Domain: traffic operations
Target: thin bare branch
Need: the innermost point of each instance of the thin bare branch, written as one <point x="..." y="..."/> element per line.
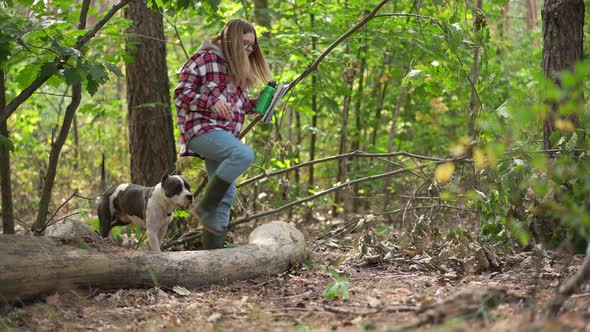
<point x="177" y="34"/>
<point x="49" y="221"/>
<point x="325" y="192"/>
<point x="436" y="206"/>
<point x="356" y="153"/>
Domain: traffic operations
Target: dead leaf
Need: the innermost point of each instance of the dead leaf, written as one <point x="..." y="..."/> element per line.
<point x="400" y="291"/>
<point x="182" y="291"/>
<point x="373" y="302"/>
<point x="174" y="320"/>
<point x="160" y="294"/>
<point x="214" y="317"/>
<point x="52" y="299"/>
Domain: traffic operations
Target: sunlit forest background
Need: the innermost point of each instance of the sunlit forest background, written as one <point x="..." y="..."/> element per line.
<point x="437" y="106"/>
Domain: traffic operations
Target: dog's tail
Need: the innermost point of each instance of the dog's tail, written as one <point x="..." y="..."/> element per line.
<point x="104" y="215"/>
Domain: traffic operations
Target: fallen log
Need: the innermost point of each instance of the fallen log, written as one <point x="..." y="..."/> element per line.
<point x="35" y="266"/>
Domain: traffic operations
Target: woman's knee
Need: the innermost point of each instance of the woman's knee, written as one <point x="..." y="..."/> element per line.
<point x="245" y="154"/>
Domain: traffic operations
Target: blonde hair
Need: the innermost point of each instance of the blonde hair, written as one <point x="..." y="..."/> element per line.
<point x="245" y="70"/>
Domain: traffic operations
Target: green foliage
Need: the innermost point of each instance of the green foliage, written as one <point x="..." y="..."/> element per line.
<point x="383" y="228"/>
<point x="181" y="213"/>
<point x="538" y="190"/>
<point x="84" y="245"/>
<point x="6" y="142"/>
<point x="338" y="287"/>
<point x="12" y="318"/>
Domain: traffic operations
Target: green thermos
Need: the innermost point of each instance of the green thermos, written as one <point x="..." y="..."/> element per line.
<point x="266" y="97"/>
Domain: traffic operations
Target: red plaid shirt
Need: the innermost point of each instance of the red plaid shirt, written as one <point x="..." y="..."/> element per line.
<point x="203" y="82"/>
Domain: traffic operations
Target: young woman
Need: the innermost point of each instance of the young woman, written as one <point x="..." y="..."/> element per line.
<point x="211" y="101"/>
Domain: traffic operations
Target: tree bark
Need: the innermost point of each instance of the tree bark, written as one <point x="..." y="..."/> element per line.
<point x="5" y="178"/>
<point x="398" y="106"/>
<point x="473" y="105"/>
<point x="31" y="268"/>
<point x="381" y="90"/>
<point x="531" y="17"/>
<point x="262" y="15"/>
<point x="314" y="122"/>
<point x="151" y="136"/>
<point x="342" y="174"/>
<point x="41" y="221"/>
<point x="563" y="35"/>
<point x="360" y="124"/>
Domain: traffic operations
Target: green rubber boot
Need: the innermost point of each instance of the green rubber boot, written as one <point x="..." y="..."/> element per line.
<point x="216" y="189"/>
<point x="212" y="241"/>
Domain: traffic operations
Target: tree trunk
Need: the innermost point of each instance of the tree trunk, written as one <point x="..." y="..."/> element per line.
<point x="5" y="178"/>
<point x="348" y="77"/>
<point x="262" y="15"/>
<point x="359" y="134"/>
<point x="342" y="173"/>
<point x="151" y="137"/>
<point x="531" y="17"/>
<point x="41" y="221"/>
<point x="381" y="90"/>
<point x="563" y="35"/>
<point x="473" y="105"/>
<point x="314" y="122"/>
<point x="389" y="167"/>
<point x="398" y="106"/>
<point x="31" y="268"/>
<point x="299" y="140"/>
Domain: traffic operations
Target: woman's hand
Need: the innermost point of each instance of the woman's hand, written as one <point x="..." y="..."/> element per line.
<point x="223" y="109"/>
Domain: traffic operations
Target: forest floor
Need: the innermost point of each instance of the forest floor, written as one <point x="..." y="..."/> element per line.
<point x="418" y="279"/>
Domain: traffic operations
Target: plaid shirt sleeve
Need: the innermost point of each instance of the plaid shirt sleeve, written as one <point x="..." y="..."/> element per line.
<point x="200" y="83"/>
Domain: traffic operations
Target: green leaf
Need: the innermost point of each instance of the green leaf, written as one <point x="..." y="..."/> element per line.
<point x="331" y="290"/>
<point x="5" y="141"/>
<point x="48" y="69"/>
<point x="336" y="287"/>
<point x="84" y="245"/>
<point x="72" y="75"/>
<point x="91" y="85"/>
<point x="518" y="231"/>
<point x="113" y="69"/>
<point x="4" y="50"/>
<point x="572" y="142"/>
<point x="27" y="75"/>
<point x="213" y="4"/>
<point x="415" y="77"/>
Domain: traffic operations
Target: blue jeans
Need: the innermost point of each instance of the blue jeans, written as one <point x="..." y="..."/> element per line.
<point x="227" y="157"/>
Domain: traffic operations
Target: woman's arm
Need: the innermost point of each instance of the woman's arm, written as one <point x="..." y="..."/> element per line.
<point x="250" y="106"/>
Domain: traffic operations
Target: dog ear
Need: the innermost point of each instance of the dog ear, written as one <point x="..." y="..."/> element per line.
<point x="164" y="178"/>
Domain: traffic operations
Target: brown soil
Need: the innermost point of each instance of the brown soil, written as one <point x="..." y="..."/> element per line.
<point x="402" y="288"/>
